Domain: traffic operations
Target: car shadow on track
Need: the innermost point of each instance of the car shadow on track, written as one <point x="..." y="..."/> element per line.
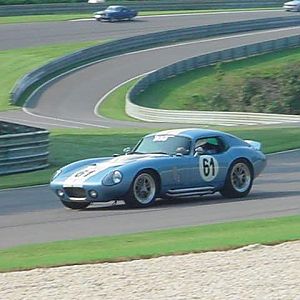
<point x="195" y="201"/>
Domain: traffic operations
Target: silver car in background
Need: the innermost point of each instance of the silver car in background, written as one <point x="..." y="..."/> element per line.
<point x="292" y="5"/>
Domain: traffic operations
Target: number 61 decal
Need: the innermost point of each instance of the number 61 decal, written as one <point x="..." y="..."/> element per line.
<point x="209" y="167"/>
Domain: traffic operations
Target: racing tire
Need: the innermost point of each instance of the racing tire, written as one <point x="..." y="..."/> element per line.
<point x="239" y="180"/>
<point x="143" y="190"/>
<point x="75" y="205"/>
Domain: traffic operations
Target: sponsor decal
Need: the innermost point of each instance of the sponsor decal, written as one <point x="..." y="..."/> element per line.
<point x="161" y="138"/>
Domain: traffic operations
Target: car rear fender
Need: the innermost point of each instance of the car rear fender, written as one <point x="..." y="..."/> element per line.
<point x="254" y="144"/>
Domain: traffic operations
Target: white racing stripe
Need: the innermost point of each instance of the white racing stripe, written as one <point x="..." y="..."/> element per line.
<point x="78" y="178"/>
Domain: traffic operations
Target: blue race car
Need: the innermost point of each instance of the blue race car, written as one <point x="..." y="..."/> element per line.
<point x="167" y="164"/>
<point x="115" y="13"/>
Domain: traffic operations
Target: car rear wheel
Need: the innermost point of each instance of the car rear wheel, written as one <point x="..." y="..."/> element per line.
<point x="75" y="205"/>
<point x="239" y="180"/>
<point x="143" y="190"/>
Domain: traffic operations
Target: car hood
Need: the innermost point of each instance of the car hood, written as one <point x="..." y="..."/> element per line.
<point x="84" y="172"/>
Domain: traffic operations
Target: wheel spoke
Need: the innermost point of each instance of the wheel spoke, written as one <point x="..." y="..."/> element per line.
<point x="144" y="188"/>
<point x="241" y="177"/>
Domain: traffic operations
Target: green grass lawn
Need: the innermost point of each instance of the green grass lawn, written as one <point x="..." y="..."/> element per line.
<point x="113" y="105"/>
<point x="17" y="62"/>
<point x="151" y="244"/>
<point x="68" y="145"/>
<point x="181" y="91"/>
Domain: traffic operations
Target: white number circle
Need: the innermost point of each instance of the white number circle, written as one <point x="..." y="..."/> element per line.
<point x="209" y="167"/>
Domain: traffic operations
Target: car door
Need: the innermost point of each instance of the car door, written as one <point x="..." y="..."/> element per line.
<point x="124" y="14"/>
<point x="208" y="168"/>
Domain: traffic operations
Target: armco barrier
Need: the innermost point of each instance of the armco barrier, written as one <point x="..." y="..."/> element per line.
<point x="141" y="42"/>
<point x="22" y="148"/>
<point x="207" y="117"/>
<point x="66" y="8"/>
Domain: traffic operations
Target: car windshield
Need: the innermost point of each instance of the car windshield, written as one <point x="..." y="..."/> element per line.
<point x="114" y="8"/>
<point x="166" y="144"/>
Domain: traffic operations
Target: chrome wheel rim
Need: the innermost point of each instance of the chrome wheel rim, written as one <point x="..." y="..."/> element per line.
<point x="144" y="188"/>
<point x="241" y="177"/>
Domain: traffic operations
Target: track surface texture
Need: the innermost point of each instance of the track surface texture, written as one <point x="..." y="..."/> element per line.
<point x="35" y="215"/>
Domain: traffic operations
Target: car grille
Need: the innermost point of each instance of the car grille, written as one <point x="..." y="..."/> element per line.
<point x="74" y="192"/>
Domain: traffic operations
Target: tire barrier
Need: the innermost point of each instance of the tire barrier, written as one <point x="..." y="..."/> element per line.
<point x="68" y="8"/>
<point x="35" y="78"/>
<point x="208" y="117"/>
<point x="22" y="148"/>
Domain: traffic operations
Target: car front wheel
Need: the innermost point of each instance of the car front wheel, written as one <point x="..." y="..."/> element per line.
<point x="143" y="190"/>
<point x="239" y="180"/>
<point x="75" y="205"/>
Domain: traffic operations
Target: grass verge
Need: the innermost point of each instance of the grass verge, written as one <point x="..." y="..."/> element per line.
<point x="191" y="90"/>
<point x="17" y="62"/>
<point x="151" y="244"/>
<point x="68" y="17"/>
<point x="113" y="105"/>
<point x="68" y="145"/>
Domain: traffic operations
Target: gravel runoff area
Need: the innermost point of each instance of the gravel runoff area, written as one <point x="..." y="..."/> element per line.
<point x="253" y="272"/>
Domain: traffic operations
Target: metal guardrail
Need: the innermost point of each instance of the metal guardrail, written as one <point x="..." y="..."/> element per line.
<point x="208" y="117"/>
<point x="22" y="148"/>
<point x="42" y="74"/>
<point x="66" y="8"/>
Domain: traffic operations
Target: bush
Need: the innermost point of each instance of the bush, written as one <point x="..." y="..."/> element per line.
<point x="279" y="93"/>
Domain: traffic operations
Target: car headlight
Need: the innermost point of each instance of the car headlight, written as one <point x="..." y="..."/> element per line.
<point x="117" y="177"/>
<point x="112" y="178"/>
<point x="56" y="174"/>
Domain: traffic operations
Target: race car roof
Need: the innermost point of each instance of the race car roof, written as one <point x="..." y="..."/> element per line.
<point x="189" y="132"/>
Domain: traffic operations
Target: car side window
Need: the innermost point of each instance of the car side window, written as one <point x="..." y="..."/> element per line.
<point x="210" y="145"/>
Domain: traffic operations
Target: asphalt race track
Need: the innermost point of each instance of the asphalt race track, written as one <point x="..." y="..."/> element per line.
<point x="35" y="215"/>
<point x="42" y="33"/>
<point x="81" y="90"/>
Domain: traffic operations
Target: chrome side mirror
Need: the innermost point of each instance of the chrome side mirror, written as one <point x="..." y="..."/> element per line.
<point x="126" y="150"/>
